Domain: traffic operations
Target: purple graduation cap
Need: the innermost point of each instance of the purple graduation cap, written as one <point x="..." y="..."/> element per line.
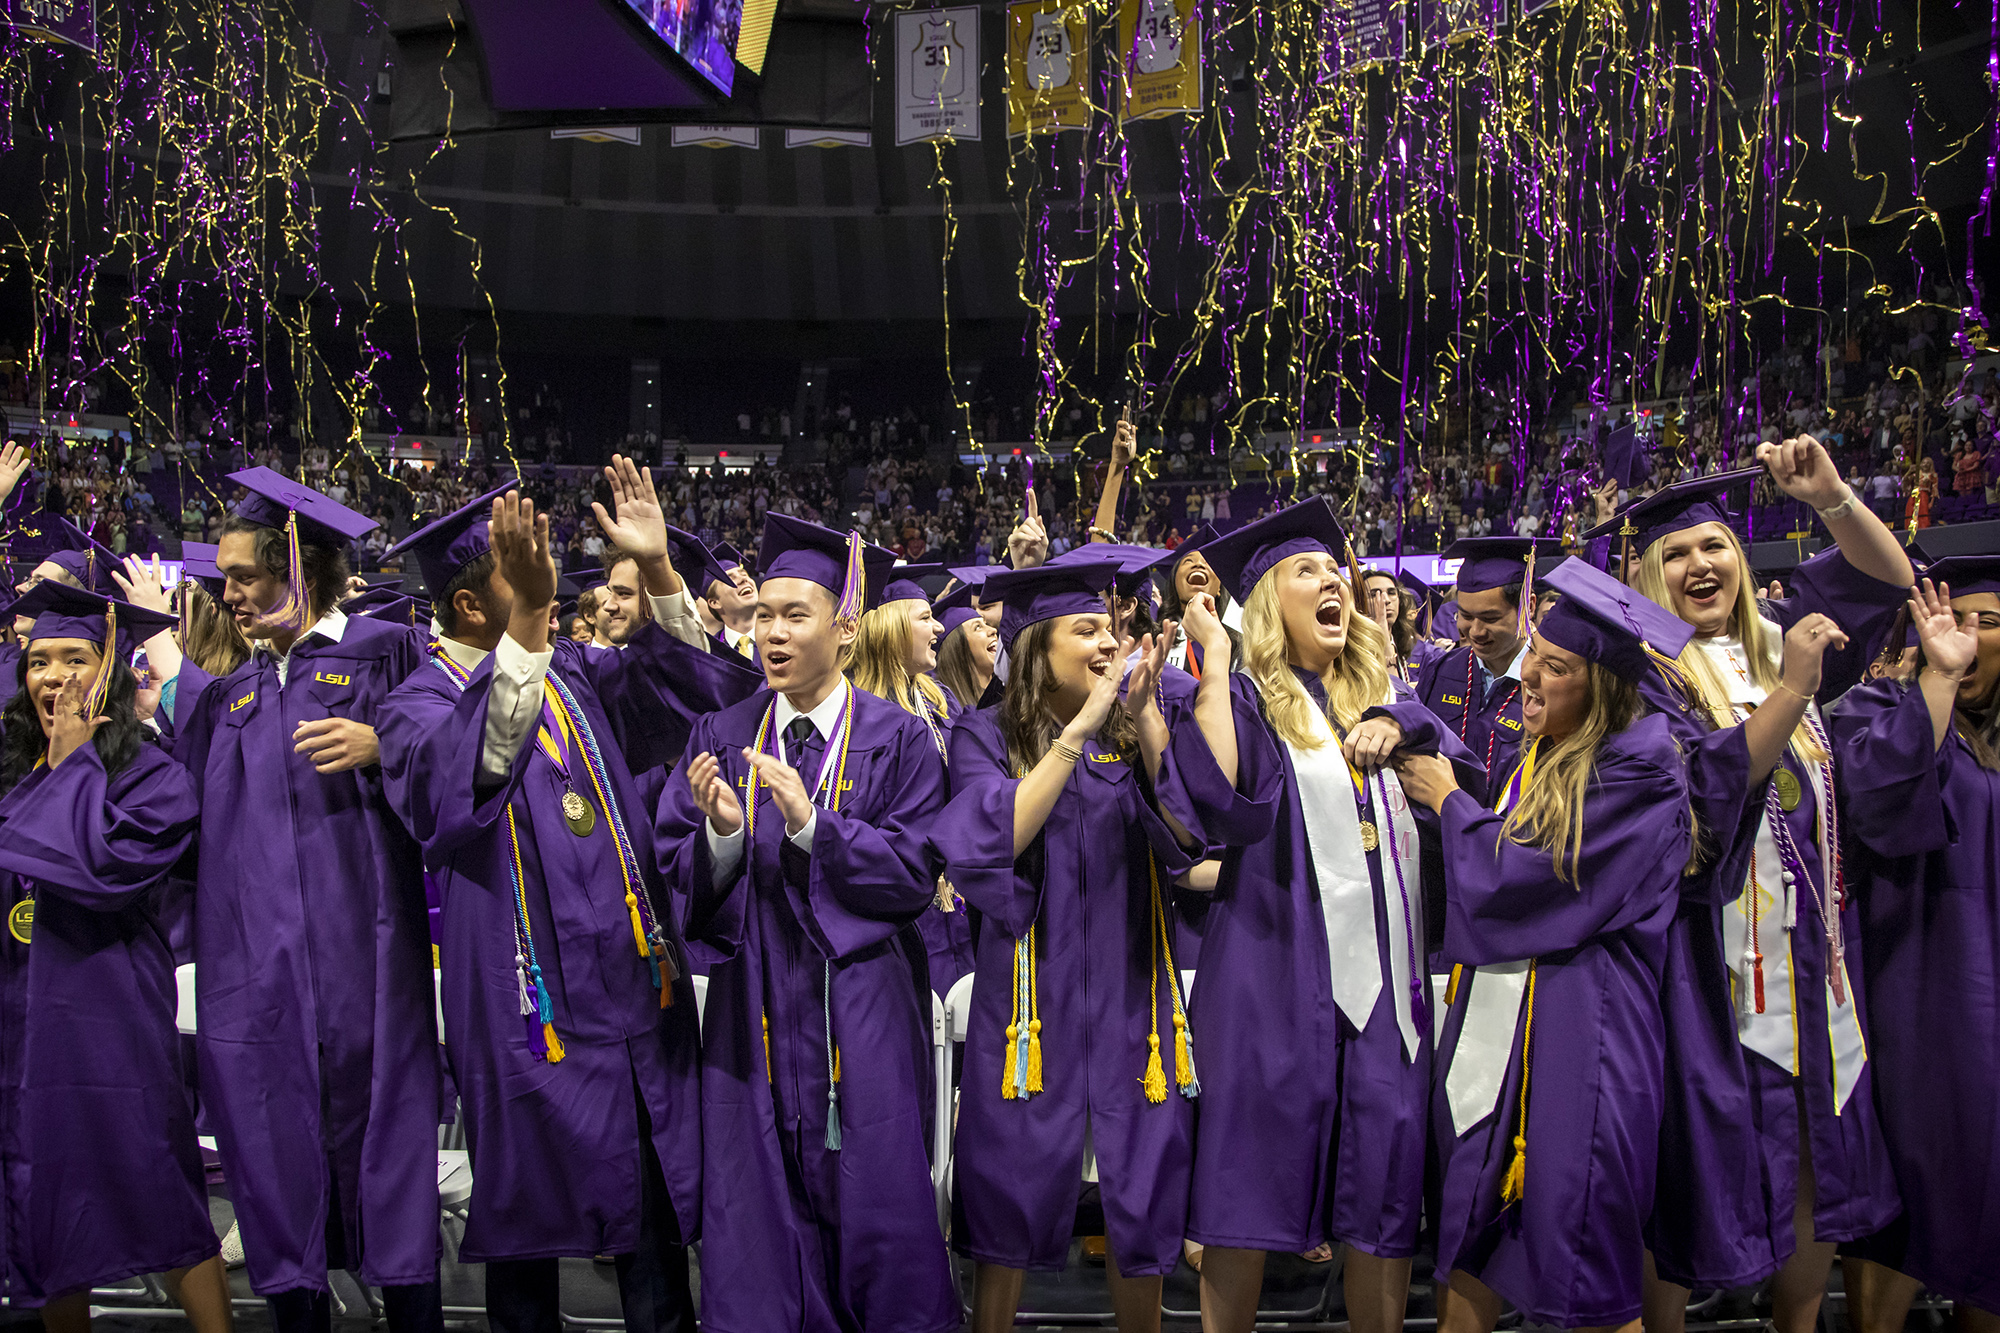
<point x="1967" y="574"/>
<point x="198" y="563"/>
<point x="729" y="558"/>
<point x="854" y="571"/>
<point x="954" y="609"/>
<point x="85" y="559"/>
<point x="974" y="576"/>
<point x="695" y="562"/>
<point x="304" y="515"/>
<point x="1487" y="563"/>
<point x="1249" y="553"/>
<point x="117" y="628"/>
<point x="443" y="549"/>
<point x="1135" y="563"/>
<point x="1671" y="509"/>
<point x="1028" y="596"/>
<point x="1601" y="619"/>
<point x="904" y="582"/>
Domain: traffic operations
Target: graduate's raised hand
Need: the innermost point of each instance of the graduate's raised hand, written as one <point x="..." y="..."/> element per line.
<point x="1605" y="500"/>
<point x="1950" y="644"/>
<point x="1028" y="543"/>
<point x="1124" y="444"/>
<point x="1097" y="705"/>
<point x="73" y="726"/>
<point x="640" y="529"/>
<point x="337" y="744"/>
<point x="13" y="463"/>
<point x="713" y="795"/>
<point x="144" y="583"/>
<point x="1205" y="626"/>
<point x="1145" y="673"/>
<point x="1372" y="741"/>
<point x="1426" y="779"/>
<point x="1804" y="471"/>
<point x="1805" y="646"/>
<point x="788" y="789"/>
<point x="520" y="540"/>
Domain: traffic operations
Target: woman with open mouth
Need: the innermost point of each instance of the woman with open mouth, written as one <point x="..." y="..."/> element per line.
<point x="1313" y="999"/>
<point x="1558" y="896"/>
<point x="1079" y="1057"/>
<point x="93" y="1125"/>
<point x="1921" y="767"/>
<point x="1770" y="1106"/>
<point x="1186" y="576"/>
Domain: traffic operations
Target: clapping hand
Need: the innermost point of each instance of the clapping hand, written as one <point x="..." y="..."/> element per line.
<point x="713" y="795"/>
<point x="788" y="788"/>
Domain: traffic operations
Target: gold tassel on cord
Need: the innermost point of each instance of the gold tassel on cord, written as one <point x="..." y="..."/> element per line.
<point x="1034" y="1019"/>
<point x="1515" y="1182"/>
<point x="554" y="1043"/>
<point x="767" y="1046"/>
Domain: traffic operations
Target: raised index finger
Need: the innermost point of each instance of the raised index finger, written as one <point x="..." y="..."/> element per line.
<point x="1034" y="510"/>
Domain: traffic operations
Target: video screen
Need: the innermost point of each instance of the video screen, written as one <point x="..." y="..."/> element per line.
<point x="703" y="31"/>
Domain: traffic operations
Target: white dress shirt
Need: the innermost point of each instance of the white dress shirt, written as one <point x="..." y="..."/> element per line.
<point x="330" y="627"/>
<point x="726" y="853"/>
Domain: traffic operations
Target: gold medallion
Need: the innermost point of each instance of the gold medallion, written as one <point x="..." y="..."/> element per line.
<point x="21" y="920"/>
<point x="578" y="814"/>
<point x="1788" y="788"/>
<point x="1370" y="840"/>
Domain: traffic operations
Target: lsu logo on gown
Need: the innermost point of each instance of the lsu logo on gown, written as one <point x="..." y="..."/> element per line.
<point x="1454" y="700"/>
<point x="244" y="702"/>
<point x="328" y="678"/>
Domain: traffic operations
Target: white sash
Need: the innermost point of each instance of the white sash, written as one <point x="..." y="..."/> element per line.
<point x="1774" y="1033"/>
<point x="1346" y="892"/>
<point x="1492" y="994"/>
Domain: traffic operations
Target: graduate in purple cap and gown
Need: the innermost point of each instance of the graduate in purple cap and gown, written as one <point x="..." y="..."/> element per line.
<point x="1475" y="689"/>
<point x="728" y="603"/>
<point x="1313" y="1001"/>
<point x="569" y="1017"/>
<point x="100" y="1176"/>
<point x="1182" y="576"/>
<point x="1079" y="1055"/>
<point x="795" y="830"/>
<point x="895" y="656"/>
<point x="1557" y="899"/>
<point x="1770" y="1152"/>
<point x="318" y="1048"/>
<point x="1920" y="763"/>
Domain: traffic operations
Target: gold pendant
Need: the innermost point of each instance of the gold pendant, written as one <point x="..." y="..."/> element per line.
<point x="947" y="896"/>
<point x="1370" y="840"/>
<point x="1788" y="788"/>
<point x="577" y="812"/>
<point x="21" y="920"/>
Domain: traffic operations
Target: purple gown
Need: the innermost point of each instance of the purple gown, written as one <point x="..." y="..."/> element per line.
<point x="1086" y="888"/>
<point x="1926" y="825"/>
<point x="1308" y="1130"/>
<point x="946" y="936"/>
<point x="317" y="1043"/>
<point x="1729" y="1150"/>
<point x="1570" y="1252"/>
<point x="100" y="1177"/>
<point x="555" y="1146"/>
<point x="1490" y="725"/>
<point x="797" y="1236"/>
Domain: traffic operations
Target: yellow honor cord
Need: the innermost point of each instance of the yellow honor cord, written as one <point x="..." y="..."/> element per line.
<point x="768" y="1075"/>
<point x="1515" y="1182"/>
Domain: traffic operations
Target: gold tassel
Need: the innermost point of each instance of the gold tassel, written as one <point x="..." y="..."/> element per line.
<point x="638" y="927"/>
<point x="1034" y="1055"/>
<point x="1515" y="1182"/>
<point x="554" y="1043"/>
<point x="767" y="1046"/>
<point x="836" y="1064"/>
<point x="1517" y="1173"/>
<point x="1007" y="1088"/>
<point x="1183" y="1062"/>
<point x="1156" y="1077"/>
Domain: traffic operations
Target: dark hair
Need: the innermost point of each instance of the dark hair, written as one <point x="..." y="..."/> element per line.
<point x="117" y="741"/>
<point x="1979" y="725"/>
<point x="472" y="578"/>
<point x="954" y="668"/>
<point x="1025" y="721"/>
<point x="325" y="567"/>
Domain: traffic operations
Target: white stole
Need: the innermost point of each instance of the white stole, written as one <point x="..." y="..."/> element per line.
<point x="1774" y="1033"/>
<point x="1492" y="994"/>
<point x="1346" y="892"/>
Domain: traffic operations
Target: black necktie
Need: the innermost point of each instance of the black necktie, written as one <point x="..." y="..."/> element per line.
<point x="802" y="748"/>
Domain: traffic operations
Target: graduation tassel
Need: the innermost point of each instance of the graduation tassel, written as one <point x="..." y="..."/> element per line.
<point x="291" y="613"/>
<point x="1034" y="1084"/>
<point x="639" y="929"/>
<point x="854" y="587"/>
<point x="1184" y="1075"/>
<point x="767" y="1045"/>
<point x="832" y="1065"/>
<point x="1516" y="1180"/>
<point x="1155" y="1078"/>
<point x="554" y="1043"/>
<point x="521" y="983"/>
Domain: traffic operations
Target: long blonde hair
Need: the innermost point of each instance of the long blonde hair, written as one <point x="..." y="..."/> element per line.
<point x="880" y="664"/>
<point x="1360" y="674"/>
<point x="1549" y="812"/>
<point x="1698" y="669"/>
<point x="211" y="640"/>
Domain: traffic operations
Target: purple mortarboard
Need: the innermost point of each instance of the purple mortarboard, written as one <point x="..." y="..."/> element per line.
<point x="1967" y="574"/>
<point x="954" y="609"/>
<point x="443" y="549"/>
<point x="372" y="601"/>
<point x="1487" y="563"/>
<point x="730" y="558"/>
<point x="854" y="571"/>
<point x="1622" y="456"/>
<point x="394" y="609"/>
<point x="87" y="560"/>
<point x="974" y="576"/>
<point x="275" y="498"/>
<point x="62" y="612"/>
<point x="904" y="582"/>
<point x="1671" y="509"/>
<point x="1249" y="553"/>
<point x="1135" y="563"/>
<point x="694" y="561"/>
<point x="1028" y="596"/>
<point x="1447" y="614"/>
<point x="1601" y="619"/>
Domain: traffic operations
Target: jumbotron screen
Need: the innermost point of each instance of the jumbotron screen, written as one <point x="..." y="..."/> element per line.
<point x="703" y="31"/>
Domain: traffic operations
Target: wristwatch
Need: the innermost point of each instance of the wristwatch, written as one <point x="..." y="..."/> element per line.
<point x="1841" y="510"/>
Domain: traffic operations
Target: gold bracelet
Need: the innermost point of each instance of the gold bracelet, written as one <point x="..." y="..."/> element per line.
<point x="1789" y="690"/>
<point x="1096" y="531"/>
<point x="1070" y="753"/>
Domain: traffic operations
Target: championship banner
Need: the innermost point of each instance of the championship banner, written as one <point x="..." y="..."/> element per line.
<point x="937" y="74"/>
<point x="1048" y="67"/>
<point x="1366" y="33"/>
<point x="817" y="138"/>
<point x="1161" y="40"/>
<point x="714" y="136"/>
<point x="71" y="22"/>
